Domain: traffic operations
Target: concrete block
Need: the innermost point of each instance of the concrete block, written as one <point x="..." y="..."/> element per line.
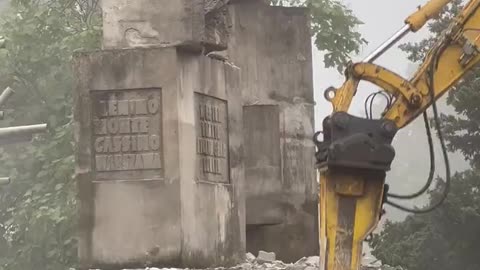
<point x="250" y="257"/>
<point x="158" y="160"/>
<point x="264" y="257"/>
<point x="163" y="23"/>
<point x="272" y="47"/>
<point x="295" y="267"/>
<point x="311" y="261"/>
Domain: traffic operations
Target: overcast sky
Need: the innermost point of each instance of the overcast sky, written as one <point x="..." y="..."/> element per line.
<point x="382" y="18"/>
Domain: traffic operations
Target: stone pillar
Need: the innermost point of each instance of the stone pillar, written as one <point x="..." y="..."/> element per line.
<point x="158" y="131"/>
<point x="272" y="47"/>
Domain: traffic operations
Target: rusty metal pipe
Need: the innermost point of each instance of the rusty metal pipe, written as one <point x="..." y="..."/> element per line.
<point x="7" y="93"/>
<point x="22" y="130"/>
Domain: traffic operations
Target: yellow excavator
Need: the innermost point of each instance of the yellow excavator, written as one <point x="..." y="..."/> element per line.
<point x="356" y="153"/>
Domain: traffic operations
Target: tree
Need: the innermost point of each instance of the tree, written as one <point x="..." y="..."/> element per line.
<point x="333" y="29"/>
<point x="446" y="238"/>
<point x="38" y="209"/>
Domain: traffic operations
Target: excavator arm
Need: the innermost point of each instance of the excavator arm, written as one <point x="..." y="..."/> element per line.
<point x="356" y="153"/>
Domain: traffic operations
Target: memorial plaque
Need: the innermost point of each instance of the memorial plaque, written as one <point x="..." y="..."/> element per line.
<point x="127" y="134"/>
<point x="212" y="139"/>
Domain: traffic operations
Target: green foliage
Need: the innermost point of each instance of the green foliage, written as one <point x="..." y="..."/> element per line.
<point x="37" y="210"/>
<point x="447" y="238"/>
<point x="461" y="130"/>
<point x="333" y="28"/>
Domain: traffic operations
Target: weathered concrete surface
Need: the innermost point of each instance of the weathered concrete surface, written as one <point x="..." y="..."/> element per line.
<point x="263" y="165"/>
<point x="215" y="204"/>
<point x="188" y="23"/>
<point x="156" y="132"/>
<point x="217" y="28"/>
<point x="272" y="47"/>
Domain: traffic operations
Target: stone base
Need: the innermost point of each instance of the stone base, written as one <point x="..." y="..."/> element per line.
<point x="158" y="160"/>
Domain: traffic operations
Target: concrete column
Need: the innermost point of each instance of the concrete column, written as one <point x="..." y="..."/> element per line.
<point x="158" y="160"/>
<point x="272" y="47"/>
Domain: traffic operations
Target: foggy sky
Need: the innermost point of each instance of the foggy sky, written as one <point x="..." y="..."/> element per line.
<point x="381" y="19"/>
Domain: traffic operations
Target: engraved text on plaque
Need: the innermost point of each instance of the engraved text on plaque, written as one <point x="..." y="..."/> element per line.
<point x="127" y="130"/>
<point x="212" y="139"/>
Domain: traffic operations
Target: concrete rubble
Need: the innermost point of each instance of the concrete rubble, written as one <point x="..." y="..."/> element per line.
<point x="266" y="261"/>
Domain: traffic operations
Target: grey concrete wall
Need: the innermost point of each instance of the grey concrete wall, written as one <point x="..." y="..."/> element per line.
<point x="158" y="160"/>
<point x="191" y="24"/>
<point x="213" y="204"/>
<point x="263" y="165"/>
<point x="272" y="46"/>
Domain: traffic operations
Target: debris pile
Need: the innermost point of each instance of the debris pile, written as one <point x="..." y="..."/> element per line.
<point x="382" y="267"/>
<point x="267" y="261"/>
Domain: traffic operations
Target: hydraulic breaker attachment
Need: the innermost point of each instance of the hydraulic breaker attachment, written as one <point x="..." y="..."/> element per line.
<point x="352" y="161"/>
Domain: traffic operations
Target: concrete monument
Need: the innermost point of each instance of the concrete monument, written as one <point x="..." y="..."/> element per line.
<point x="159" y="159"/>
<point x="163" y="133"/>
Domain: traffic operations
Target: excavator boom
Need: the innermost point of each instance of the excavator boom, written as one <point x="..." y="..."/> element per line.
<point x="356" y="153"/>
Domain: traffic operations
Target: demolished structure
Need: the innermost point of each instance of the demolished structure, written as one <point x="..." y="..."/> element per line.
<point x="193" y="127"/>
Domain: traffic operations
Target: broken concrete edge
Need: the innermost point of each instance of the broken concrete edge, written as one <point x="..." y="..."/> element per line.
<point x="185" y="23"/>
<point x="209" y="31"/>
<point x="194" y="48"/>
<point x="186" y="47"/>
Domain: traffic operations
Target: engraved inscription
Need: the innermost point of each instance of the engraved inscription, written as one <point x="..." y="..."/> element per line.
<point x="212" y="139"/>
<point x="126" y="131"/>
